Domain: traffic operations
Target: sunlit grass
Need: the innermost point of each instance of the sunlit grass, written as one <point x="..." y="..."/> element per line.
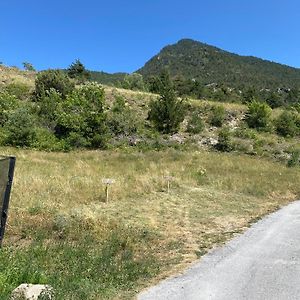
<point x="58" y="202"/>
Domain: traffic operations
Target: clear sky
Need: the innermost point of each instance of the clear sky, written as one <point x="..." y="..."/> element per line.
<point x="117" y="35"/>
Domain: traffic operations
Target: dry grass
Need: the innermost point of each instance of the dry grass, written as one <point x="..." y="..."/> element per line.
<point x="10" y="75"/>
<point x="212" y="197"/>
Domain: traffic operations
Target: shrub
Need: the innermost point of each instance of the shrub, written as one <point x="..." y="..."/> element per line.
<point x="258" y="115"/>
<point x="46" y="140"/>
<point x="20" y="128"/>
<point x="224" y="140"/>
<point x="53" y="79"/>
<point x="294" y="160"/>
<point x="217" y="116"/>
<point x="195" y="124"/>
<point x="82" y="115"/>
<point x="286" y="124"/>
<point x="48" y="109"/>
<point x="20" y="90"/>
<point x="134" y="81"/>
<point x="122" y="120"/>
<point x="8" y="103"/>
<point x="167" y="112"/>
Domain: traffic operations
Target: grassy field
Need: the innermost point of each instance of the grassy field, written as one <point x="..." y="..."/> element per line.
<point x="61" y="231"/>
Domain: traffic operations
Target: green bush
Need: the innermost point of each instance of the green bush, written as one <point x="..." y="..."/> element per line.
<point x="134" y="81"/>
<point x="217" y="116"/>
<point x="286" y="124"/>
<point x="53" y="79"/>
<point x="20" y="128"/>
<point x="82" y="115"/>
<point x="224" y="140"/>
<point x="46" y="140"/>
<point x="8" y="103"/>
<point x="122" y="120"/>
<point x="258" y="115"/>
<point x="195" y="124"/>
<point x="47" y="109"/>
<point x="20" y="90"/>
<point x="294" y="160"/>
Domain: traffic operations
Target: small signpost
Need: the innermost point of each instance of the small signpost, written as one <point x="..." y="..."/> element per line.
<point x="7" y="167"/>
<point x="169" y="179"/>
<point x="107" y="182"/>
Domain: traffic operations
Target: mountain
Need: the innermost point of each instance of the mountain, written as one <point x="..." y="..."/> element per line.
<point x="189" y="59"/>
<point x="107" y="78"/>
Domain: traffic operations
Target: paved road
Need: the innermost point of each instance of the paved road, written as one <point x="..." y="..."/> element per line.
<point x="262" y="264"/>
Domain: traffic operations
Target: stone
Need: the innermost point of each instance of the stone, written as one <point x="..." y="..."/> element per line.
<point x="32" y="292"/>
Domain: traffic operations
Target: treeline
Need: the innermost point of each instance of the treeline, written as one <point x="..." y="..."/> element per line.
<point x="280" y="97"/>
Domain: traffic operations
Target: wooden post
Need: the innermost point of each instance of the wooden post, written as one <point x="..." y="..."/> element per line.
<point x="168" y="179"/>
<point x="107" y="182"/>
<point x="106" y="193"/>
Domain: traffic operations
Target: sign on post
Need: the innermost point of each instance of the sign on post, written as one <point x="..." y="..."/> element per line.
<point x="107" y="182"/>
<point x="7" y="167"/>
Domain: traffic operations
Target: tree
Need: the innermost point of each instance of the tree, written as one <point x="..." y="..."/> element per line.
<point x="81" y="118"/>
<point x="52" y="79"/>
<point x="78" y="71"/>
<point x="274" y="100"/>
<point x="224" y="140"/>
<point x="28" y="66"/>
<point x="258" y="115"/>
<point x="167" y="112"/>
<point x="134" y="81"/>
<point x="286" y="123"/>
<point x="217" y="116"/>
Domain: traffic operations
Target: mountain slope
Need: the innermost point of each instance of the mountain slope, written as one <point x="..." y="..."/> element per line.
<point x="107" y="78"/>
<point x="191" y="59"/>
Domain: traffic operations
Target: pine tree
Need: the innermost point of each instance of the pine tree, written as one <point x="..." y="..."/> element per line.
<point x="167" y="112"/>
<point x="78" y="71"/>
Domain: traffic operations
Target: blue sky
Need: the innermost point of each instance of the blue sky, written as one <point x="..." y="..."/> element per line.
<point x="120" y="35"/>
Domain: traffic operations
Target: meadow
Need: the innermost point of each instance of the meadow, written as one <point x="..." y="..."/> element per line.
<point x="62" y="232"/>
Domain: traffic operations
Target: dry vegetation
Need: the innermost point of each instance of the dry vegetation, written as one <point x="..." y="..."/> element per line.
<point x="59" y="222"/>
<point x="212" y="197"/>
<point x="9" y="75"/>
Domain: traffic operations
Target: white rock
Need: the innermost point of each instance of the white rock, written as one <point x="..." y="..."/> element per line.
<point x="32" y="292"/>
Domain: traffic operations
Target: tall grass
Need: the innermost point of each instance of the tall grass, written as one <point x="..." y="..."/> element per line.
<point x="62" y="232"/>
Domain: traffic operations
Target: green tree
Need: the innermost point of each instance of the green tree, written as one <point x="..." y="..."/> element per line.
<point x="224" y="140"/>
<point x="52" y="79"/>
<point x="274" y="100"/>
<point x="258" y="115"/>
<point x="28" y="66"/>
<point x="286" y="123"/>
<point x="134" y="81"/>
<point x="20" y="128"/>
<point x="195" y="124"/>
<point x="122" y="120"/>
<point x="78" y="71"/>
<point x="167" y="112"/>
<point x="217" y="116"/>
<point x="81" y="118"/>
<point x="8" y="103"/>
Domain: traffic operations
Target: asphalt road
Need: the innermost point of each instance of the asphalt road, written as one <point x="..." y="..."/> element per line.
<point x="261" y="264"/>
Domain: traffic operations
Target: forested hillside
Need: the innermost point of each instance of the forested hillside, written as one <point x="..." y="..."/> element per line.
<point x="190" y="59"/>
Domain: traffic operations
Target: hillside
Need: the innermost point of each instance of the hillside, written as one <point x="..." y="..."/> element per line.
<point x="194" y="60"/>
<point x="173" y="198"/>
<point x="107" y="78"/>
